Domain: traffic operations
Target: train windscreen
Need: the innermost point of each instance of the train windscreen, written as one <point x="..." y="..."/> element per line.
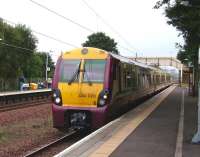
<point x="94" y="70"/>
<point x="69" y="70"/>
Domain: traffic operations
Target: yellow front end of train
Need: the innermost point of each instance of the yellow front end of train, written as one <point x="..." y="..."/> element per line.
<point x="82" y="77"/>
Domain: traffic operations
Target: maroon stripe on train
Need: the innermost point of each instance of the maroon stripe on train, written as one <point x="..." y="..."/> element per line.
<point x="56" y="74"/>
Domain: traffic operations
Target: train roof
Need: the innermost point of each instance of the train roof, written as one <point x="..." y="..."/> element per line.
<point x="85" y="53"/>
<point x="130" y="61"/>
<point x="99" y="53"/>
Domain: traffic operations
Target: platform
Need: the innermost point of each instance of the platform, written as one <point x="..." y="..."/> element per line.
<point x="24" y="92"/>
<point x="162" y="126"/>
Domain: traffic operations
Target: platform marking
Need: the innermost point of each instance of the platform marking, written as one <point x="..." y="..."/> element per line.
<point x="179" y="140"/>
<point x="85" y="140"/>
<point x="107" y="146"/>
<point x="111" y="144"/>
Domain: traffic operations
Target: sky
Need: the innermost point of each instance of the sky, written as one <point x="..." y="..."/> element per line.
<point x="136" y="26"/>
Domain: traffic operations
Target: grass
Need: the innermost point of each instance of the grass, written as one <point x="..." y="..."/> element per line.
<point x="3" y="136"/>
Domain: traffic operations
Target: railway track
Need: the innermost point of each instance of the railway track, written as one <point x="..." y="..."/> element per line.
<point x="12" y="101"/>
<point x="70" y="135"/>
<point x="22" y="105"/>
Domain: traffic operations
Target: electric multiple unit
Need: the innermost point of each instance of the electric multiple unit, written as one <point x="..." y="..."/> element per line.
<point x="90" y="85"/>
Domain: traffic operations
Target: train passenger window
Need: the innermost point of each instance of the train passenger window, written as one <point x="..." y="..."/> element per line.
<point x="134" y="77"/>
<point x="94" y="70"/>
<point x="139" y="80"/>
<point x="128" y="80"/>
<point x="157" y="78"/>
<point x="149" y="79"/>
<point x="69" y="70"/>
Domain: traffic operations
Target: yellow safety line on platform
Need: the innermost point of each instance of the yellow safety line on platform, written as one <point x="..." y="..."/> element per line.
<point x="111" y="144"/>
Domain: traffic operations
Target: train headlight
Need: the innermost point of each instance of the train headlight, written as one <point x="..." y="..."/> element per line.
<point x="102" y="102"/>
<point x="57" y="100"/>
<point x="103" y="98"/>
<point x="57" y="97"/>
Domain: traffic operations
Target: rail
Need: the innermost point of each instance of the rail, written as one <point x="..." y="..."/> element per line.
<point x="38" y="151"/>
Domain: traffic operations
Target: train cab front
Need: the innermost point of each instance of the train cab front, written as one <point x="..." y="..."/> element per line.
<point x="81" y="95"/>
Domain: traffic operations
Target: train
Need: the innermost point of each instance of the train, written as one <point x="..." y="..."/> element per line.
<point x="90" y="85"/>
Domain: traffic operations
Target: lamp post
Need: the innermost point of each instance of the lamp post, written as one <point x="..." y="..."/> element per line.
<point x="47" y="67"/>
<point x="46" y="76"/>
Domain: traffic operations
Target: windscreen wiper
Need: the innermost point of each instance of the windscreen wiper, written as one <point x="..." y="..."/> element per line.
<point x="75" y="74"/>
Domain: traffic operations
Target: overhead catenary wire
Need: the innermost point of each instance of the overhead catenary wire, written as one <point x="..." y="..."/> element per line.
<point x="108" y="25"/>
<point x="69" y="44"/>
<point x="58" y="40"/>
<point x="18" y="47"/>
<point x="125" y="48"/>
<point x="45" y="35"/>
<point x="84" y="27"/>
<point x="23" y="48"/>
<point x="62" y="16"/>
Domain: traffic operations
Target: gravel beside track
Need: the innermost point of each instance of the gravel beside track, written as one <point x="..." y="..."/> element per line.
<point x="23" y="130"/>
<point x="59" y="145"/>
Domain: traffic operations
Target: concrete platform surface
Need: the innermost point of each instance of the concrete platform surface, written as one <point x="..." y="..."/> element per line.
<point x="2" y="94"/>
<point x="160" y="127"/>
<point x="158" y="135"/>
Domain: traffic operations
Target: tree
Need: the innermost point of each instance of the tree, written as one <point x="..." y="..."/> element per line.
<point x="186" y="19"/>
<point x="15" y="60"/>
<point x="18" y="56"/>
<point x="38" y="66"/>
<point x="100" y="40"/>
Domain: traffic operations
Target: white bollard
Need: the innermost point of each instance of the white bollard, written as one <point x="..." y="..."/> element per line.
<point x="196" y="138"/>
